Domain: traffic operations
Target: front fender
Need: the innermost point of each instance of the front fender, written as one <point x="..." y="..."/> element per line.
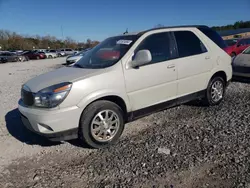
<point x="85" y="101"/>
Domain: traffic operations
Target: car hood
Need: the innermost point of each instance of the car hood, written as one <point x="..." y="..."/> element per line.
<point x="65" y="74"/>
<point x="242" y="60"/>
<point x="228" y="49"/>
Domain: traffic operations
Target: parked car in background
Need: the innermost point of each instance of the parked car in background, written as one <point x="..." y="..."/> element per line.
<point x="125" y="78"/>
<point x="51" y="54"/>
<point x="12" y="57"/>
<point x="35" y="55"/>
<point x="66" y="52"/>
<point x="74" y="58"/>
<point x="236" y="46"/>
<point x="241" y="64"/>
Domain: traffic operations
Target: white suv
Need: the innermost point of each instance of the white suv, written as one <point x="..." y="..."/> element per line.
<point x="124" y="78"/>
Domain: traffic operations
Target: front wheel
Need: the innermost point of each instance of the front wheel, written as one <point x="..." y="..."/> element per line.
<point x="101" y="124"/>
<point x="215" y="91"/>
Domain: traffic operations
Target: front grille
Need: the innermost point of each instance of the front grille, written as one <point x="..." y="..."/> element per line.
<point x="27" y="97"/>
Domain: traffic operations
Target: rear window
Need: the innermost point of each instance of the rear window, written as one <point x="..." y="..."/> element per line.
<point x="214" y="36"/>
<point x="231" y="42"/>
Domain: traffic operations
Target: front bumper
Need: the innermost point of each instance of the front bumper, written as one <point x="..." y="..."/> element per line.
<point x="241" y="71"/>
<point x="56" y="125"/>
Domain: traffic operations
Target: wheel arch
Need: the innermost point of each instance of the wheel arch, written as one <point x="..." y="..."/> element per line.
<point x="220" y="74"/>
<point x="115" y="98"/>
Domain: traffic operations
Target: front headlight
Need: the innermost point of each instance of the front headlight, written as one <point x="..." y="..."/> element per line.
<point x="52" y="96"/>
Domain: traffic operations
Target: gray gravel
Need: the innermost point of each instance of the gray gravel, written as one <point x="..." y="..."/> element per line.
<point x="187" y="146"/>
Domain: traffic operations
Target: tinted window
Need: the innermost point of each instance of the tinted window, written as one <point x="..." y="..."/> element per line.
<point x="188" y="44"/>
<point x="248" y="41"/>
<point x="68" y="50"/>
<point x="231" y="42"/>
<point x="158" y="45"/>
<point x="242" y="42"/>
<point x="214" y="36"/>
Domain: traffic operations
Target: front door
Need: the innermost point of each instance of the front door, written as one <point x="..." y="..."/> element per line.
<point x="155" y="82"/>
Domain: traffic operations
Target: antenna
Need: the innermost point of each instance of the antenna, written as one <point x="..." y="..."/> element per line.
<point x="62" y="31"/>
<point x="126" y="31"/>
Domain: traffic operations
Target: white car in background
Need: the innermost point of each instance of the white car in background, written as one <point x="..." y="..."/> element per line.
<point x="74" y="58"/>
<point x="241" y="64"/>
<point x="51" y="54"/>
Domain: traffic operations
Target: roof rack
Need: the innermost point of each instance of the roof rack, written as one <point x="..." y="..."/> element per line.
<point x="180" y="26"/>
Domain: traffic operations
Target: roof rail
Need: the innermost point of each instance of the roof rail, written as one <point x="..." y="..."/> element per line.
<point x="180" y="26"/>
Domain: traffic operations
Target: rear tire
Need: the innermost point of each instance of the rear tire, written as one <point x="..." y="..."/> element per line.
<point x="101" y="124"/>
<point x="50" y="57"/>
<point x="215" y="91"/>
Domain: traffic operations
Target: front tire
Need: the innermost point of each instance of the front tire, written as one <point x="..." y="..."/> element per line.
<point x="101" y="124"/>
<point x="215" y="91"/>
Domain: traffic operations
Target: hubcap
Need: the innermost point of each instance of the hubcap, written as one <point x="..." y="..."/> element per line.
<point x="217" y="91"/>
<point x="105" y="125"/>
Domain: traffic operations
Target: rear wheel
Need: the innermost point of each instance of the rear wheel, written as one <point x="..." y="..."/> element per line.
<point x="50" y="56"/>
<point x="215" y="91"/>
<point x="101" y="124"/>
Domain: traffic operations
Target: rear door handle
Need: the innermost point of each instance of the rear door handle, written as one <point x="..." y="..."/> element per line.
<point x="207" y="57"/>
<point x="171" y="66"/>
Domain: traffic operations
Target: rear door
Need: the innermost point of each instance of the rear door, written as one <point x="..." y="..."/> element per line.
<point x="193" y="61"/>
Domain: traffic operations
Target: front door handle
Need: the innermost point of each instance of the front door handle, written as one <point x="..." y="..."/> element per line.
<point x="207" y="57"/>
<point x="171" y="66"/>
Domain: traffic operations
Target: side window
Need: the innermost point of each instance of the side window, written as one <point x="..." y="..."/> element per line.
<point x="159" y="46"/>
<point x="248" y="41"/>
<point x="214" y="36"/>
<point x="242" y="42"/>
<point x="188" y="44"/>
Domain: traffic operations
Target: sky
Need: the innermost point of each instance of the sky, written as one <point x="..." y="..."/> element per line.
<point x="99" y="19"/>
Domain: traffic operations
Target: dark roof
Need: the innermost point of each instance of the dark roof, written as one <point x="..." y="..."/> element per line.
<point x="233" y="32"/>
<point x="180" y="26"/>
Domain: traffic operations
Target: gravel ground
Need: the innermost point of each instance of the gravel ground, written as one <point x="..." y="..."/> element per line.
<point x="187" y="146"/>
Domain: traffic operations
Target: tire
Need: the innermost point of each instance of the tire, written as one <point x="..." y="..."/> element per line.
<point x="37" y="57"/>
<point x="215" y="91"/>
<point x="233" y="54"/>
<point x="89" y="131"/>
<point x="50" y="57"/>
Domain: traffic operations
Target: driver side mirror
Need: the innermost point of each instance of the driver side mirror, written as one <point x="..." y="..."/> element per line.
<point x="142" y="57"/>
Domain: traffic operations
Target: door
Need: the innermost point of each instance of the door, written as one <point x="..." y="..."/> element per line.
<point x="194" y="63"/>
<point x="155" y="82"/>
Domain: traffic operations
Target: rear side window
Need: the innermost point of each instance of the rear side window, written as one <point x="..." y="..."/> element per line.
<point x="242" y="42"/>
<point x="159" y="46"/>
<point x="188" y="44"/>
<point x="68" y="50"/>
<point x="214" y="36"/>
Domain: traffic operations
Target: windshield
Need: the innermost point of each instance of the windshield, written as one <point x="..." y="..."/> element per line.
<point x="247" y="51"/>
<point x="107" y="53"/>
<point x="231" y="42"/>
